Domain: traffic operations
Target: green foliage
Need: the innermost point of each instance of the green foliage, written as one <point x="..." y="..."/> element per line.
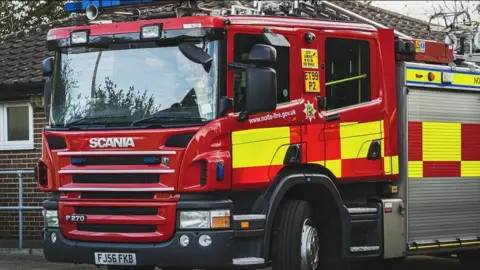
<point x="20" y="15"/>
<point x="107" y="99"/>
<point x="131" y="102"/>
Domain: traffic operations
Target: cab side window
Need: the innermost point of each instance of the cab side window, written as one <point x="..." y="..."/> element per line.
<point x="347" y="72"/>
<point x="242" y="45"/>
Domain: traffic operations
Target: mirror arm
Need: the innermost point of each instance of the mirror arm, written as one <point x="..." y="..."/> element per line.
<point x="238" y="65"/>
<point x="47" y="95"/>
<point x="242" y="116"/>
<point x="225" y="104"/>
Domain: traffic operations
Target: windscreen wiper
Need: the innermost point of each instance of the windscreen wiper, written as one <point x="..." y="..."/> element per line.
<point x="167" y="118"/>
<point x="86" y="119"/>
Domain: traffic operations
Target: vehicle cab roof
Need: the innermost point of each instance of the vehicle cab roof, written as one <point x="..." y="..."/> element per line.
<point x="213" y="22"/>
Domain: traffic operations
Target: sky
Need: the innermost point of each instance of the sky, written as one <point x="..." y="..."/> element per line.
<point x="423" y="9"/>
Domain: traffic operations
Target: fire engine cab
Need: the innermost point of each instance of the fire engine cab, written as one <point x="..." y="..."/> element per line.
<point x="184" y="137"/>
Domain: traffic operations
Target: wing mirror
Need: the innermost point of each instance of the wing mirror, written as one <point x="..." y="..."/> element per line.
<point x="47" y="67"/>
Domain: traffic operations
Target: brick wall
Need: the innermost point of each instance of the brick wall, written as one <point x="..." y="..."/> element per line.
<point x="22" y="160"/>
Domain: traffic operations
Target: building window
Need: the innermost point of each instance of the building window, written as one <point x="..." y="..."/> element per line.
<point x="347" y="72"/>
<point x="16" y="122"/>
<point x="243" y="45"/>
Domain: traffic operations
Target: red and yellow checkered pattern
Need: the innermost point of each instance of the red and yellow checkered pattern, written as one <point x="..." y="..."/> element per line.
<point x="443" y="149"/>
<point x="340" y="147"/>
<point x="346" y="148"/>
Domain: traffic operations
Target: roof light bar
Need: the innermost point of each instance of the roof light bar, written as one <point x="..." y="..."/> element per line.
<point x="81" y="5"/>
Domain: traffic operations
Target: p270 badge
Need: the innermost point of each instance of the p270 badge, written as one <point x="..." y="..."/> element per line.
<point x="76" y="218"/>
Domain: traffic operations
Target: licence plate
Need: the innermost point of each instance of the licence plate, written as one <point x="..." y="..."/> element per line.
<point x="115" y="258"/>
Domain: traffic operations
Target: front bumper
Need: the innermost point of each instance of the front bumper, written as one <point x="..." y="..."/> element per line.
<point x="226" y="245"/>
<point x="168" y="254"/>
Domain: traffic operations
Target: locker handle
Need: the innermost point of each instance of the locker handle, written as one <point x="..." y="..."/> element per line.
<point x="374" y="150"/>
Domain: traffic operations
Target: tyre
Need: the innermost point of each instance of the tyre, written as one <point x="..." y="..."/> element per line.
<point x="469" y="259"/>
<point x="296" y="242"/>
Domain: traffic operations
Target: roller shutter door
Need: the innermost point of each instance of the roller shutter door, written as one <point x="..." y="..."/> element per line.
<point x="443" y="200"/>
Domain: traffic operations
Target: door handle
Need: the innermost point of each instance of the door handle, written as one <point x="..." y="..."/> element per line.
<point x="321" y="102"/>
<point x="374" y="150"/>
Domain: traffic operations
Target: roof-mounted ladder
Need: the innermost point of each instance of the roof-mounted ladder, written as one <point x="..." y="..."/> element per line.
<point x="296" y="8"/>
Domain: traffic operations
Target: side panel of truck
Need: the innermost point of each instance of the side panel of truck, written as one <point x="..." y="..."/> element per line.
<point x="443" y="157"/>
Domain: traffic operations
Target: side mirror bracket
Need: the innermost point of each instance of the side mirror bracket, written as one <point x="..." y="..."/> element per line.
<point x="242" y="116"/>
<point x="47" y="96"/>
<point x="277" y="40"/>
<point x="47" y="71"/>
<point x="225" y="104"/>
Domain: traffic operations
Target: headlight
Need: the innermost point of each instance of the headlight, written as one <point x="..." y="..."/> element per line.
<point x="51" y="218"/>
<point x="215" y="219"/>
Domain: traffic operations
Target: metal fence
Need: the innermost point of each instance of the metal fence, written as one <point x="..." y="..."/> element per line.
<point x="20" y="207"/>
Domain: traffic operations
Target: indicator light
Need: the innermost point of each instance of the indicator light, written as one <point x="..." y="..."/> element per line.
<point x="220" y="171"/>
<point x="151" y="160"/>
<point x="78" y="160"/>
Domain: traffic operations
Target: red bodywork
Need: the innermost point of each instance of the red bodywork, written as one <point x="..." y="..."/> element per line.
<point x="320" y="139"/>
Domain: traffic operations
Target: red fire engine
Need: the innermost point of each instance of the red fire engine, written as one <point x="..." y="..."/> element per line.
<point x="235" y="139"/>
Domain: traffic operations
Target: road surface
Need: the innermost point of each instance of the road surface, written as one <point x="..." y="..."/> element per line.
<point x="30" y="262"/>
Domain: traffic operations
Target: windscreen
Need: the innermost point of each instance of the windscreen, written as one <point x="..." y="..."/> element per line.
<point x="122" y="86"/>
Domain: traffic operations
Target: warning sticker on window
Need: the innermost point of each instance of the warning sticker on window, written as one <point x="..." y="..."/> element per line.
<point x="312" y="81"/>
<point x="309" y="58"/>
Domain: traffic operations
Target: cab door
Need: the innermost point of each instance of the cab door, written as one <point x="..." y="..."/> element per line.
<point x="309" y="66"/>
<point x="355" y="111"/>
<point x="260" y="143"/>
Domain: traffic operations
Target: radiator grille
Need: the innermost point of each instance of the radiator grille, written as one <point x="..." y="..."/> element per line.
<point x="116" y="178"/>
<point x="118" y="195"/>
<point x="116" y="228"/>
<point x="116" y="160"/>
<point x="116" y="211"/>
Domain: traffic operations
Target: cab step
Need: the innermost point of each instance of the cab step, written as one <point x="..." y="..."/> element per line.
<point x="366" y="231"/>
<point x="248" y="261"/>
<point x="364" y="249"/>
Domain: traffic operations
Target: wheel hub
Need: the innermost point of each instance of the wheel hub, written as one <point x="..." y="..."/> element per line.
<point x="310" y="246"/>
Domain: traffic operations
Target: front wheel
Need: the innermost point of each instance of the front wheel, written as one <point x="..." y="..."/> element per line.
<point x="296" y="242"/>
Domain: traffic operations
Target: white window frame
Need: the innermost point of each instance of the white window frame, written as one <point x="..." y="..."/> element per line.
<point x="15" y="145"/>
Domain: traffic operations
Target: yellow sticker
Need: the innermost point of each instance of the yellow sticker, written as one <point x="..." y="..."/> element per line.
<point x="312" y="81"/>
<point x="309" y="58"/>
<point x="419" y="46"/>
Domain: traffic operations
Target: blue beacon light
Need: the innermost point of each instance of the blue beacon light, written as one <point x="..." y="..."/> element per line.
<point x="81" y="6"/>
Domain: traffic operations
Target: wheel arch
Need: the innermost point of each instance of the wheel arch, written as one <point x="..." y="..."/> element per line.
<point x="293" y="181"/>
